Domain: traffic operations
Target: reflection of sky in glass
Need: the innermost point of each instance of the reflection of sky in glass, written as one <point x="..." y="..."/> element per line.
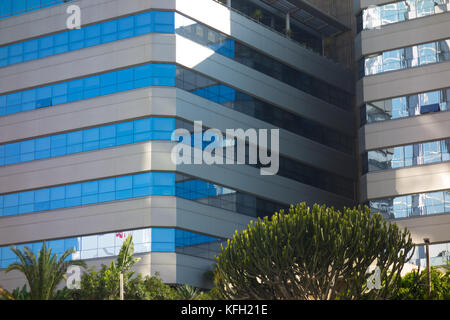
<point x="109" y="244"/>
<point x="407" y="57"/>
<point x="400" y="11"/>
<point x="427" y="53"/>
<point x="425" y="7"/>
<point x="400" y="107"/>
<point x="392" y="13"/>
<point x="412" y="205"/>
<point x="409" y="155"/>
<point x="392" y="60"/>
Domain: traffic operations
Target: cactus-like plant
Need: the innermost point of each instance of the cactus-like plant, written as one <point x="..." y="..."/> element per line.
<point x="313" y="253"/>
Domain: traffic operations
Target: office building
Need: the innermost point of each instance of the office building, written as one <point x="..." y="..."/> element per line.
<point x="403" y="53"/>
<point x="86" y="118"/>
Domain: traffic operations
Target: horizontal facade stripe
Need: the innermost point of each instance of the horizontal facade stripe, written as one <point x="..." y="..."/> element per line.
<point x="400" y="11"/>
<point x="89" y="87"/>
<point x="405" y="58"/>
<point x="169" y="75"/>
<point x="414" y="205"/>
<point x="252" y="58"/>
<point x="9" y="8"/>
<point x="88" y="139"/>
<point x="109" y="244"/>
<point x="96" y="34"/>
<point x="135" y="186"/>
<point x="406" y="156"/>
<point x="406" y="106"/>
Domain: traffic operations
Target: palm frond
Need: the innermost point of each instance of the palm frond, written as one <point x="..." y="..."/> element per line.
<point x="44" y="273"/>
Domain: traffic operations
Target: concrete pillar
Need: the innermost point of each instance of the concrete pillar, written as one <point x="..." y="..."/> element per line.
<point x="229" y="3"/>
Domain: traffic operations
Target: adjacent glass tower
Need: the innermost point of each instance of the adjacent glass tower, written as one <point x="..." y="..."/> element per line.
<point x="402" y="49"/>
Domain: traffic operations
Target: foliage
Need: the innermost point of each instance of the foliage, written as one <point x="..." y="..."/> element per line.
<point x="16" y="294"/>
<point x="104" y="284"/>
<point x="187" y="292"/>
<point x="257" y="14"/>
<point x="316" y="253"/>
<point x="21" y="293"/>
<point x="157" y="290"/>
<point x="414" y="286"/>
<point x="44" y="273"/>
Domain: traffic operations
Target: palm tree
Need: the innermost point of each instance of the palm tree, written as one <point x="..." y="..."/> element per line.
<point x="5" y="294"/>
<point x="44" y="273"/>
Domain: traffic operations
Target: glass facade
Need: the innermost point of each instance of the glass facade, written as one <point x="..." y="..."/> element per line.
<point x="261" y="62"/>
<point x="407" y="106"/>
<point x="170" y="75"/>
<point x="412" y="205"/>
<point x="225" y="198"/>
<point x="439" y="255"/>
<point x="237" y="100"/>
<point x="87" y="139"/>
<point x="10" y="8"/>
<point x="164" y="22"/>
<point x="147" y="129"/>
<point x="276" y="22"/>
<point x="109" y="244"/>
<point x="96" y="34"/>
<point x="405" y="58"/>
<point x="377" y="16"/>
<point x="288" y="168"/>
<point x="406" y="156"/>
<point x="134" y="186"/>
<point x="88" y="87"/>
<point x="90" y="192"/>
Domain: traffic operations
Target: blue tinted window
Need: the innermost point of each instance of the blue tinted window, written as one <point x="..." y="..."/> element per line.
<point x="126" y="23"/>
<point x="88" y="139"/>
<point x="405" y="156"/>
<point x="82" y="193"/>
<point x="15" y="7"/>
<point x="103" y="32"/>
<point x="106" y="245"/>
<point x="163" y="240"/>
<point x="93" y="86"/>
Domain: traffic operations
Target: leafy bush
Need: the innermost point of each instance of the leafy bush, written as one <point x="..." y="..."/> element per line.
<point x="414" y="286"/>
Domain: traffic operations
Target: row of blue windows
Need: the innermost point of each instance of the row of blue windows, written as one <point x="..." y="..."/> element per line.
<point x="71" y="195"/>
<point x="132" y="186"/>
<point x="406" y="106"/>
<point x="406" y="156"/>
<point x="377" y="16"/>
<point x="164" y="22"/>
<point x="10" y="8"/>
<point x="87" y="139"/>
<point x="412" y="205"/>
<point x="109" y="244"/>
<point x="239" y="101"/>
<point x="170" y="75"/>
<point x="405" y="58"/>
<point x="127" y="27"/>
<point x="89" y="87"/>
